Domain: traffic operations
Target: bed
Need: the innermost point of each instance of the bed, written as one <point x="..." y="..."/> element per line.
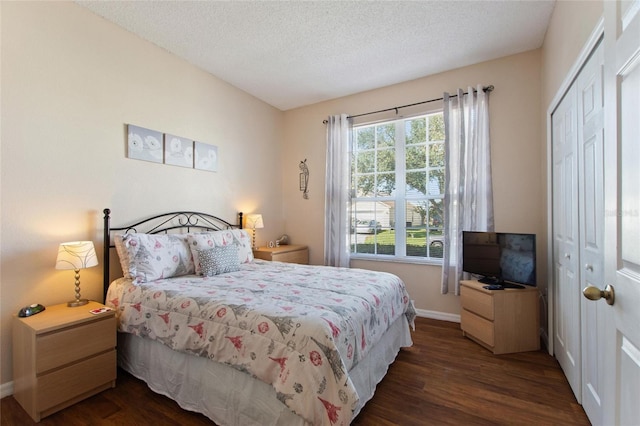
<point x="246" y="341"/>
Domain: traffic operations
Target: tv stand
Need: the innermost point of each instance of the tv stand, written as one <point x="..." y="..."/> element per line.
<point x="503" y="321"/>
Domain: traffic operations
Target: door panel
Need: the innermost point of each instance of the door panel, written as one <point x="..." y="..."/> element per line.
<point x="630" y="365"/>
<point x="566" y="328"/>
<point x="630" y="170"/>
<point x="578" y="220"/>
<point x="622" y="208"/>
<point x="628" y="273"/>
<point x="589" y="86"/>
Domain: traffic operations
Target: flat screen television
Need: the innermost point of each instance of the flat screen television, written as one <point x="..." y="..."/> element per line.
<point x="503" y="258"/>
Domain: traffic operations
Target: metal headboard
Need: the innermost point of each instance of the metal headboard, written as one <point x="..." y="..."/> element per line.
<point x="162" y="223"/>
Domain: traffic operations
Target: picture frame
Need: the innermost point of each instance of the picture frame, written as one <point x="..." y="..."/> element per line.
<point x="205" y="157"/>
<point x="178" y="151"/>
<point x="144" y="144"/>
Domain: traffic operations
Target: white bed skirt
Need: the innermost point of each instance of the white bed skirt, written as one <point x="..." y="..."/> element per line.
<point x="232" y="398"/>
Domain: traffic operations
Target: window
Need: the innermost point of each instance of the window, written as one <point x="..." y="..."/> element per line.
<point x="397" y="185"/>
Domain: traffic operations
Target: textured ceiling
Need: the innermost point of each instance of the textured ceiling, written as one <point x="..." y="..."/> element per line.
<point x="295" y="53"/>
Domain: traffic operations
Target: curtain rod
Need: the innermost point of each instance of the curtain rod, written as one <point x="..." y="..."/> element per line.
<point x="486" y="89"/>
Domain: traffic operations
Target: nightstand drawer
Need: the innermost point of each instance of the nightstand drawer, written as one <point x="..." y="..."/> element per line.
<point x="67" y="383"/>
<point x="61" y="347"/>
<point x="477" y="327"/>
<point x="477" y="302"/>
<point x="287" y="253"/>
<point x="298" y="256"/>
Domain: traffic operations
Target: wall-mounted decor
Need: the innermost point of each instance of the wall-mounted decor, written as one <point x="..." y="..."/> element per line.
<point x="178" y="151"/>
<point x="304" y="179"/>
<point x="144" y="144"/>
<point x="206" y="157"/>
<point x="158" y="147"/>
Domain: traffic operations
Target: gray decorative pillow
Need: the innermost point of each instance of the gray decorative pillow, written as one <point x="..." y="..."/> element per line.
<point x="219" y="260"/>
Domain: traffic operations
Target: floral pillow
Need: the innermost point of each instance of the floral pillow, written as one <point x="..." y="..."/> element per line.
<point x="208" y="240"/>
<point x="219" y="260"/>
<point x="147" y="257"/>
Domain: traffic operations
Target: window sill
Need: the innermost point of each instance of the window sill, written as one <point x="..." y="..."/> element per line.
<point x="396" y="259"/>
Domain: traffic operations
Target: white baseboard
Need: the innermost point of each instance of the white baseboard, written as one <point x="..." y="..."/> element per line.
<point x="6" y="389"/>
<point x="442" y="316"/>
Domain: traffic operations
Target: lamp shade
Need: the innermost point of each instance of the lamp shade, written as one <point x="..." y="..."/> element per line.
<point x="254" y="221"/>
<point x="76" y="255"/>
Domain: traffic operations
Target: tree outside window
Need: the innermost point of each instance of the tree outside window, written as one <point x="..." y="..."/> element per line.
<point x="397" y="175"/>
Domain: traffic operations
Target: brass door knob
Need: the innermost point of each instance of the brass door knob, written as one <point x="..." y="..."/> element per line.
<point x="594" y="293"/>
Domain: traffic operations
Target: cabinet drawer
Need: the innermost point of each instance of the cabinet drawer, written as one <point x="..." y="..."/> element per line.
<point x="478" y="327"/>
<point x="298" y="256"/>
<point x="62" y="347"/>
<point x="67" y="383"/>
<point x="477" y="302"/>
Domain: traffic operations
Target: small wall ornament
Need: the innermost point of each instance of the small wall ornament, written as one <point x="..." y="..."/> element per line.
<point x="304" y="179"/>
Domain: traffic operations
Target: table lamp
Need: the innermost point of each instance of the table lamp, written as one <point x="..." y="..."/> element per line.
<point x="76" y="255"/>
<point x="254" y="221"/>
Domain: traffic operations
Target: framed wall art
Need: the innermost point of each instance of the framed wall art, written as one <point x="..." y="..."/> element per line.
<point x="178" y="151"/>
<point x="206" y="157"/>
<point x="144" y="144"/>
<point x="158" y="147"/>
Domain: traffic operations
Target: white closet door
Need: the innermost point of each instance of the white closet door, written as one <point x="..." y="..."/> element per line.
<point x="578" y="232"/>
<point x="566" y="327"/>
<point x="589" y="89"/>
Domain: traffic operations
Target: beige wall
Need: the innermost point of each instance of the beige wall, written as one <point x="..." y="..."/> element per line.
<point x="571" y="25"/>
<point x="70" y="82"/>
<point x="516" y="156"/>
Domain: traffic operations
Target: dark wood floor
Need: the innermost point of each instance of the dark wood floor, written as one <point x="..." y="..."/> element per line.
<point x="443" y="379"/>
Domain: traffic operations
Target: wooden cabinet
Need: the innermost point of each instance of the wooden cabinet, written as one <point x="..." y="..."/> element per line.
<point x="61" y="356"/>
<point x="288" y="253"/>
<point x="502" y="321"/>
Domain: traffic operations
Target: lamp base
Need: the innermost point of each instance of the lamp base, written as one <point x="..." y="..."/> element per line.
<point x="76" y="303"/>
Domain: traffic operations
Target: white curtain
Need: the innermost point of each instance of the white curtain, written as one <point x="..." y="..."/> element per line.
<point x="337" y="191"/>
<point x="468" y="199"/>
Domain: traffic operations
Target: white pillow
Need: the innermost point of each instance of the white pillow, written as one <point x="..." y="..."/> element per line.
<point x="208" y="240"/>
<point x="148" y="257"/>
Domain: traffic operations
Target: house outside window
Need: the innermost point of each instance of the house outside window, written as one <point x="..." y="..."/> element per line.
<point x="397" y="185"/>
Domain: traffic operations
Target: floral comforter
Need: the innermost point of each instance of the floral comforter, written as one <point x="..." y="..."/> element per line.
<point x="299" y="328"/>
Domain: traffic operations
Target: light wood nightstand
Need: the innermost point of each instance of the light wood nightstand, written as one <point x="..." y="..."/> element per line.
<point x="61" y="356"/>
<point x="503" y="321"/>
<point x="287" y="253"/>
